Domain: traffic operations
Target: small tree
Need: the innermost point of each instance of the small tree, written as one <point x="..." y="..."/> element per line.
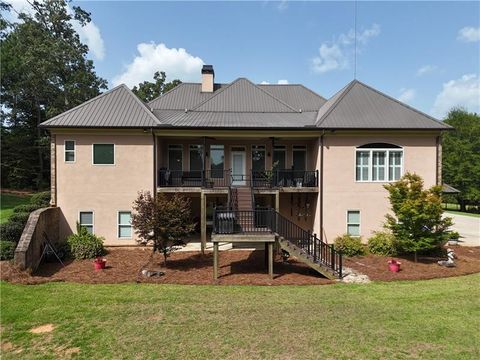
<point x="417" y="223"/>
<point x="162" y="221"/>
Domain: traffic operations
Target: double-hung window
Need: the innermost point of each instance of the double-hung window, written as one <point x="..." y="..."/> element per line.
<point x="299" y="153"/>
<point x="353" y="223"/>
<point x="279" y="157"/>
<point x="85" y="220"/>
<point x="196" y="157"/>
<point x="125" y="224"/>
<point x="378" y="162"/>
<point x="175" y="157"/>
<point x="69" y="151"/>
<point x="103" y="154"/>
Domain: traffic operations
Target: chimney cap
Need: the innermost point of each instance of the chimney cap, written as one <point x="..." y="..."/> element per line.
<point x="207" y="69"/>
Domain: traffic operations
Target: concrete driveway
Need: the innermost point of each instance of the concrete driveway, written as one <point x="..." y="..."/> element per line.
<point x="468" y="227"/>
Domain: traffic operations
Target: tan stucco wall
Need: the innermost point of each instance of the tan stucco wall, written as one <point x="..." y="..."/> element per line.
<point x="342" y="192"/>
<point x="104" y="189"/>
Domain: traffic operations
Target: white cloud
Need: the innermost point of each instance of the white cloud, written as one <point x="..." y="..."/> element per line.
<point x="282" y="82"/>
<point x="330" y="58"/>
<point x="177" y="64"/>
<point x="469" y="34"/>
<point x="406" y="95"/>
<point x="282" y="5"/>
<point x="463" y="92"/>
<point x="89" y="34"/>
<point x="427" y="69"/>
<point x="264" y="83"/>
<point x="334" y="55"/>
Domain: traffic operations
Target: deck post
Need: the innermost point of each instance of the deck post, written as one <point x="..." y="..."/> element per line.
<point x="215" y="260"/>
<point x="203" y="221"/>
<point x="277" y="201"/>
<point x="270" y="259"/>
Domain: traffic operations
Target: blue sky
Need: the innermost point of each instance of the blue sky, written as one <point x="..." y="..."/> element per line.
<point x="424" y="53"/>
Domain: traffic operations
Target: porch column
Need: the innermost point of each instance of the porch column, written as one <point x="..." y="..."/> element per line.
<point x="203" y="221"/>
<point x="53" y="170"/>
<point x="277" y="201"/>
<point x="215" y="260"/>
<point x="270" y="259"/>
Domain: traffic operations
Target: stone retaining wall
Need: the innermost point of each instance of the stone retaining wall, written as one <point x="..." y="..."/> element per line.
<point x="31" y="244"/>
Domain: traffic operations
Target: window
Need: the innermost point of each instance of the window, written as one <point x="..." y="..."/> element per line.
<point x="103" y="154"/>
<point x="378" y="162"/>
<point x="196" y="157"/>
<point x="279" y="157"/>
<point x="258" y="157"/>
<point x="175" y="157"/>
<point x="124" y="224"/>
<point x="217" y="156"/>
<point x="299" y="157"/>
<point x="353" y="222"/>
<point x="86" y="220"/>
<point x="69" y="151"/>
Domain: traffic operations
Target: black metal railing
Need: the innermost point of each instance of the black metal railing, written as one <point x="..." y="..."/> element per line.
<point x="194" y="178"/>
<point x="228" y="221"/>
<point x="284" y="178"/>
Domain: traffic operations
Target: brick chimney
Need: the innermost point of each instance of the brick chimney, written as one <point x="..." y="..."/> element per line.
<point x="208" y="76"/>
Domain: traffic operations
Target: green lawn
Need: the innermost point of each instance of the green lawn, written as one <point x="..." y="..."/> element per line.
<point x="8" y="202"/>
<point x="400" y="320"/>
<point x="455" y="209"/>
<point x="462" y="213"/>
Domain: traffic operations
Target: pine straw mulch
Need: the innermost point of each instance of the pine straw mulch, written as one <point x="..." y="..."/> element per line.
<point x="426" y="267"/>
<point x="237" y="267"/>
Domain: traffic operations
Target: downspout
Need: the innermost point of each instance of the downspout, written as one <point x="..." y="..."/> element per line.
<point x="321" y="185"/>
<point x="154" y="163"/>
<point x="438" y="160"/>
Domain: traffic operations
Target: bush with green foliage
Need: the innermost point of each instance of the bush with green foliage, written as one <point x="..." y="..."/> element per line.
<point x="25" y="208"/>
<point x="19" y="217"/>
<point x="7" y="250"/>
<point x="417" y="221"/>
<point x="349" y="245"/>
<point x="382" y="243"/>
<point x="84" y="245"/>
<point x="11" y="231"/>
<point x="41" y="199"/>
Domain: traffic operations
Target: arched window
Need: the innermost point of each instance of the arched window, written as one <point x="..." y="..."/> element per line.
<point x="378" y="162"/>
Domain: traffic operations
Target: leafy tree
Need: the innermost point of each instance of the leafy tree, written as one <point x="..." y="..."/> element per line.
<point x="162" y="221"/>
<point x="417" y="223"/>
<point x="45" y="71"/>
<point x="461" y="156"/>
<point x="147" y="90"/>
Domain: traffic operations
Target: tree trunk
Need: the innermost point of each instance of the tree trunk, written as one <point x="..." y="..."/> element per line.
<point x="415" y="256"/>
<point x="463" y="205"/>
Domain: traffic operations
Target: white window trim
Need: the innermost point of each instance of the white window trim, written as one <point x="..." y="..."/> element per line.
<point x="370" y="164"/>
<point x="168" y="155"/>
<point x="65" y="152"/>
<point x="118" y="225"/>
<point x="93" y="218"/>
<point x="306" y="153"/>
<point x="359" y="222"/>
<point x="114" y="153"/>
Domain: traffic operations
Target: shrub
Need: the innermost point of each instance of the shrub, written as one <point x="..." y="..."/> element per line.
<point x="382" y="243"/>
<point x="349" y="245"/>
<point x="7" y="250"/>
<point x="84" y="245"/>
<point x="11" y="231"/>
<point x="25" y="208"/>
<point x="41" y="199"/>
<point x="20" y="218"/>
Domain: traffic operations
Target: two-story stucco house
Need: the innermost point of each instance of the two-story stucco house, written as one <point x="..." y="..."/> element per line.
<point x="319" y="163"/>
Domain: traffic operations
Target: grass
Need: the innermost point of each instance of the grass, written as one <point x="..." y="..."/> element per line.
<point x="401" y="320"/>
<point x="8" y="202"/>
<point x="462" y="213"/>
<point x="455" y="209"/>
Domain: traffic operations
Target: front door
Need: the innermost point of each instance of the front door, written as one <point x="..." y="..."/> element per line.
<point x="238" y="167"/>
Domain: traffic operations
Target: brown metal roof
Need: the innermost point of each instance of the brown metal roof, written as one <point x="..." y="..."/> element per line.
<point x="358" y="106"/>
<point x="118" y="107"/>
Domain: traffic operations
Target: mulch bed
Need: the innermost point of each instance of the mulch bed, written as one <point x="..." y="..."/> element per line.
<point x="237" y="267"/>
<point x="468" y="262"/>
